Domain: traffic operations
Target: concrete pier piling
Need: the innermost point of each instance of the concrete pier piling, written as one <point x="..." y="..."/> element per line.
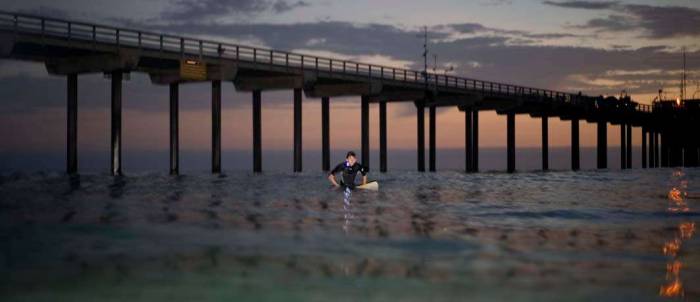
<point x="382" y="137"/>
<point x="511" y="141"/>
<point x="174" y="129"/>
<point x="116" y="124"/>
<point x="675" y="149"/>
<point x="623" y="147"/>
<point x="420" y="135"/>
<point x="325" y="134"/>
<point x="657" y="149"/>
<point x="468" y="141"/>
<point x="650" y="148"/>
<point x="628" y="146"/>
<point x="257" y="131"/>
<point x="431" y="139"/>
<point x="602" y="151"/>
<point x="297" y="131"/>
<point x="665" y="148"/>
<point x="644" y="147"/>
<point x="475" y="141"/>
<point x="364" y="124"/>
<point x="216" y="127"/>
<point x="690" y="155"/>
<point x="72" y="124"/>
<point x="575" y="145"/>
<point x="545" y="143"/>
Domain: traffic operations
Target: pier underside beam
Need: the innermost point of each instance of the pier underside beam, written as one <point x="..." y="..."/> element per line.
<point x="108" y="63"/>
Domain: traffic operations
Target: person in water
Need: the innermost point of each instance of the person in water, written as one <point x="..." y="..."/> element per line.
<point x="349" y="167"/>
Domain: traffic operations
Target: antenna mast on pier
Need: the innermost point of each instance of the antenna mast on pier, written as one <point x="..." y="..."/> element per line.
<point x="683" y="78"/>
<point x="425" y="55"/>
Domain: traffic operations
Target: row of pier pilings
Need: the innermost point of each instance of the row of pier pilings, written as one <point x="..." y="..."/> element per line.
<point x="662" y="146"/>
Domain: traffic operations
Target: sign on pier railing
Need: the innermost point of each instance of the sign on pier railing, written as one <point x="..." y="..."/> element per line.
<point x="194" y="70"/>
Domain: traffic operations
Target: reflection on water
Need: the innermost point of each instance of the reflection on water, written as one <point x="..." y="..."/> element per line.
<point x="673" y="287"/>
<point x="347" y="208"/>
<point x="585" y="236"/>
<point x="678" y="194"/>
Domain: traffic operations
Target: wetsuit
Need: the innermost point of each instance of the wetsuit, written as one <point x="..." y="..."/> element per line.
<point x="349" y="173"/>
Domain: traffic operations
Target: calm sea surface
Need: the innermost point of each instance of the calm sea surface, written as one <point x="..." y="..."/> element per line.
<point x="446" y="236"/>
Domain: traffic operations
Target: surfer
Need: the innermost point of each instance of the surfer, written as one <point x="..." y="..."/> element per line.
<point x="349" y="167"/>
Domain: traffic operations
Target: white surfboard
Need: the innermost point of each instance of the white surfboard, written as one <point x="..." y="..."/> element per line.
<point x="372" y="185"/>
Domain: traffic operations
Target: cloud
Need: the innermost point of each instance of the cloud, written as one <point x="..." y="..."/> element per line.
<point x="496" y="2"/>
<point x="46" y="11"/>
<point x="467" y="27"/>
<point x="281" y="6"/>
<point x="612" y="23"/>
<point x="656" y="22"/>
<point x="583" y="4"/>
<point x="336" y="36"/>
<point x="666" y="22"/>
<point x="476" y="28"/>
<point x="204" y="9"/>
<point x="551" y="35"/>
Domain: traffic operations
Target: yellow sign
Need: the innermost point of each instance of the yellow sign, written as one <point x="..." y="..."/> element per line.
<point x="191" y="69"/>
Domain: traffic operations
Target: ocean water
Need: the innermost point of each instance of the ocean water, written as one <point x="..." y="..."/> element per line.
<point x="446" y="236"/>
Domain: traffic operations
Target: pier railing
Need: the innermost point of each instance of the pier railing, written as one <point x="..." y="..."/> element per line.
<point x="190" y="47"/>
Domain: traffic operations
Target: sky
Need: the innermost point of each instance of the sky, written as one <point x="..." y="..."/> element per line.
<point x="597" y="47"/>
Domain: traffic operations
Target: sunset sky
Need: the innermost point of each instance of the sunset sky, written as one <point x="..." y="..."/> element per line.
<point x="597" y="47"/>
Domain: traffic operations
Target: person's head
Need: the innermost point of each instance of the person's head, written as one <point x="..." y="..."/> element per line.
<point x="350" y="158"/>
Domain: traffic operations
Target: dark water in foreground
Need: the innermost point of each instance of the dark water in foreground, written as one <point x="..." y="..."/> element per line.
<point x="447" y="236"/>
